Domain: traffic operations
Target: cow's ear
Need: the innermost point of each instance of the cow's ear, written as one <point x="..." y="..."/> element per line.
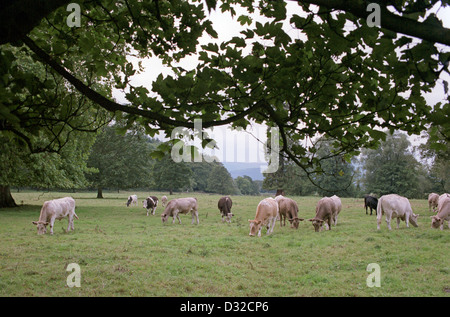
<point x="34" y="222"/>
<point x="258" y="222"/>
<point x="251" y="220"/>
<point x="312" y="219"/>
<point x="301" y="219"/>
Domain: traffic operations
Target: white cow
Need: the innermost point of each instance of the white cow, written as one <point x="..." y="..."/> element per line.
<point x="441" y="200"/>
<point x="443" y="214"/>
<point x="395" y="206"/>
<point x="180" y="206"/>
<point x="56" y="209"/>
<point x="132" y="199"/>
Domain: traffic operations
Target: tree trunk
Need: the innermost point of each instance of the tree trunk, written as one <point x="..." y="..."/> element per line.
<point x="99" y="192"/>
<point x="171" y="192"/>
<point x="6" y="200"/>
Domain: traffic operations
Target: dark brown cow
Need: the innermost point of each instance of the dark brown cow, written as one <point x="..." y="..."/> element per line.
<point x="224" y="206"/>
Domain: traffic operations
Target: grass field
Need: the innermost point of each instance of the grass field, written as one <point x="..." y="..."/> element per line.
<point x="122" y="252"/>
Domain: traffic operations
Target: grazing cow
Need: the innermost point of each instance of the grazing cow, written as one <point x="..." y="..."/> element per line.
<point x="266" y="215"/>
<point x="164" y="201"/>
<point x="395" y="206"/>
<point x="288" y="208"/>
<point x="325" y="212"/>
<point x="338" y="204"/>
<point x="132" y="199"/>
<point x="56" y="209"/>
<point x="441" y="199"/>
<point x="180" y="206"/>
<point x="433" y="200"/>
<point x="224" y="206"/>
<point x="443" y="214"/>
<point x="371" y="202"/>
<point x="150" y="203"/>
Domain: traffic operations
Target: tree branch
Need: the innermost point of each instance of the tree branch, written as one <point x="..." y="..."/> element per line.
<point x="390" y="21"/>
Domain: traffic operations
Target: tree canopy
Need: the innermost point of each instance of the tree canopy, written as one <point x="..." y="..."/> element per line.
<point x="340" y="77"/>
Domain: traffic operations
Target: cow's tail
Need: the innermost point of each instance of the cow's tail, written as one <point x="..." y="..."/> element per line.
<point x="380" y="212"/>
<point x="75" y="215"/>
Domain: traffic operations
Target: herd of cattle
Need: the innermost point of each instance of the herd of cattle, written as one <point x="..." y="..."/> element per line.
<point x="268" y="211"/>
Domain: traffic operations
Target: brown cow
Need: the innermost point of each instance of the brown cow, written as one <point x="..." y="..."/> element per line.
<point x="288" y="208"/>
<point x="266" y="214"/>
<point x="443" y="214"/>
<point x="224" y="206"/>
<point x="325" y="211"/>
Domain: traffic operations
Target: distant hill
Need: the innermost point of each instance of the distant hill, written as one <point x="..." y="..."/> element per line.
<point x="241" y="169"/>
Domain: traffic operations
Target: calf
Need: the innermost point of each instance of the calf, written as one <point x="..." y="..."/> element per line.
<point x="150" y="203"/>
<point x="224" y="206"/>
<point x="370" y="202"/>
<point x="443" y="214"/>
<point x="266" y="214"/>
<point x="56" y="209"/>
<point x="433" y="200"/>
<point x="180" y="206"/>
<point x="288" y="208"/>
<point x="337" y="210"/>
<point x="325" y="211"/>
<point x="132" y="199"/>
<point x="395" y="206"/>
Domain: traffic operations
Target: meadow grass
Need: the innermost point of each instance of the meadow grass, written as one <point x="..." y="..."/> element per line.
<point x="122" y="252"/>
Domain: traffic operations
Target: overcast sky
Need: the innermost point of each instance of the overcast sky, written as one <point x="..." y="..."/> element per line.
<point x="241" y="146"/>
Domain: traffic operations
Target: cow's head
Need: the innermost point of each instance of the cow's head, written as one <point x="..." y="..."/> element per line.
<point x="413" y="220"/>
<point x="295" y="221"/>
<point x="317" y="223"/>
<point x="436" y="222"/>
<point x="41" y="226"/>
<point x="129" y="202"/>
<point x="255" y="225"/>
<point x="164" y="217"/>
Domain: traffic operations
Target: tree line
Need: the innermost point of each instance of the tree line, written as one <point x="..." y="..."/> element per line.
<point x="396" y="166"/>
<point x="115" y="159"/>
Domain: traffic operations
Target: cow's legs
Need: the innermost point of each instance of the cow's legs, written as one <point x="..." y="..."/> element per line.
<point x="398" y="223"/>
<point x="388" y="221"/>
<point x="406" y="220"/>
<point x="194" y="214"/>
<point x="52" y="222"/>
<point x="153" y="210"/>
<point x="70" y="226"/>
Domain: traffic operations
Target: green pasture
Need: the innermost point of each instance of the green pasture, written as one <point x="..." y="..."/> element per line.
<point x="122" y="252"/>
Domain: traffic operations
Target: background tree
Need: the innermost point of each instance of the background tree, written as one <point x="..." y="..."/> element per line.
<point x="172" y="176"/>
<point x="246" y="185"/>
<point x="22" y="168"/>
<point x="220" y="181"/>
<point x="121" y="161"/>
<point x="436" y="153"/>
<point x="392" y="168"/>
